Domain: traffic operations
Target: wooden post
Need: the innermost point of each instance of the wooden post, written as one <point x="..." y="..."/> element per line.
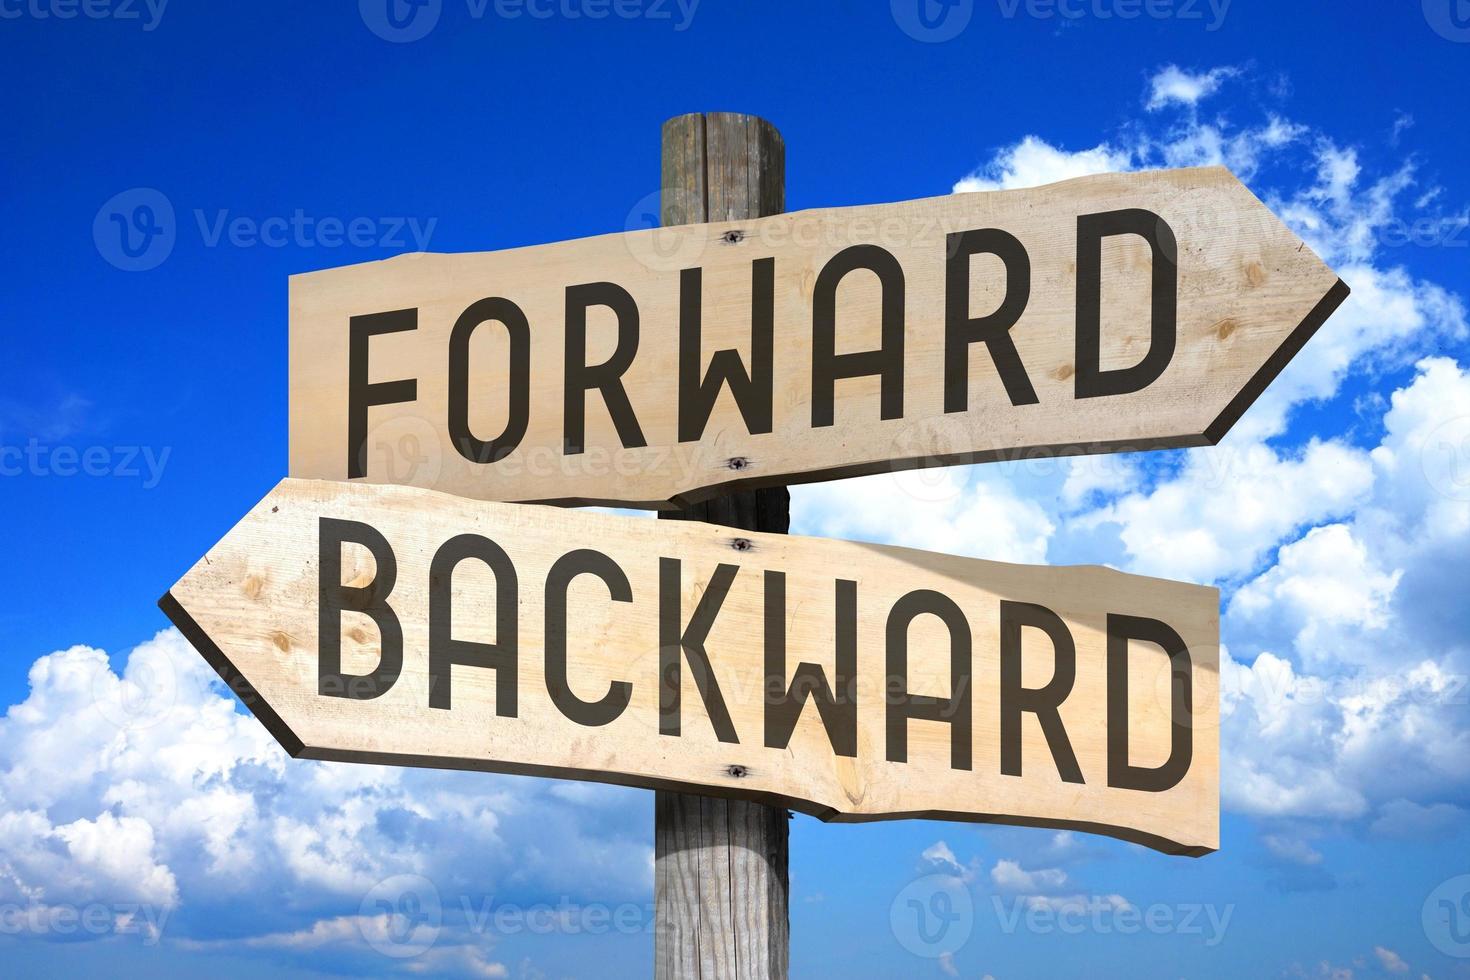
<point x="720" y="880"/>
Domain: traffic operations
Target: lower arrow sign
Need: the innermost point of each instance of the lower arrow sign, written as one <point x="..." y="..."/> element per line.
<point x="848" y="681"/>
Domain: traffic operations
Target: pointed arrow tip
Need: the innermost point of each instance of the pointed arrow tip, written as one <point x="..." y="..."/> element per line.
<point x="1274" y="365"/>
<point x="228" y="673"/>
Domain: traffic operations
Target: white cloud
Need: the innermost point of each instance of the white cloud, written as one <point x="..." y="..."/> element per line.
<point x="1390" y="960"/>
<point x="1424" y="461"/>
<point x="1214" y="144"/>
<point x="1104" y="475"/>
<point x="1351" y="560"/>
<point x="955" y="511"/>
<point x="1010" y="876"/>
<point x="1348" y="702"/>
<point x="51" y="864"/>
<point x="341" y="929"/>
<point x="938" y="857"/>
<point x="1075" y="905"/>
<point x="1292" y="849"/>
<point x="940" y="854"/>
<point x="151" y="788"/>
<point x="385" y="941"/>
<point x="1323" y="586"/>
<point x="1306" y="746"/>
<point x="1230" y="505"/>
<point x="1408" y="820"/>
<point x="1033" y="162"/>
<point x="1175" y="86"/>
<point x="1352" y="693"/>
<point x="1279" y="734"/>
<point x="1371" y="608"/>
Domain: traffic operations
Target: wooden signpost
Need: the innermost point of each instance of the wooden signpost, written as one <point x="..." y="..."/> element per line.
<point x="396" y="600"/>
<point x="721" y="884"/>
<point x="1122" y="311"/>
<point x="849" y="681"/>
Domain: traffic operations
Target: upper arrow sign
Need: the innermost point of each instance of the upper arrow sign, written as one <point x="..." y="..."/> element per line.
<point x="1115" y="312"/>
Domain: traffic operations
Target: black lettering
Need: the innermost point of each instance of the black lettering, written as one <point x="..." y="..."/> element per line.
<point x="1092" y="381"/>
<point x="606" y="377"/>
<point x="566" y="568"/>
<point x="1122" y="775"/>
<point x="519" y="396"/>
<point x="994" y="330"/>
<point x="752" y="390"/>
<point x="902" y="705"/>
<point x="361" y="395"/>
<point x="783" y="704"/>
<point x="691" y="642"/>
<point x="334" y="598"/>
<point x="445" y="651"/>
<point x="1044" y="702"/>
<point x="886" y="362"/>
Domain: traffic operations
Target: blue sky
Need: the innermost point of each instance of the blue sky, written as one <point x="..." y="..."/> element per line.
<point x="143" y="411"/>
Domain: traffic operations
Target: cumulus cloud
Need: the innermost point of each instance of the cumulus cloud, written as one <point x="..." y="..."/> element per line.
<point x="1292" y="776"/>
<point x="1390" y="960"/>
<point x="1011" y="877"/>
<point x="1228" y="507"/>
<point x="1424" y="461"/>
<point x="1342" y="558"/>
<point x="1173" y="85"/>
<point x="939" y="858"/>
<point x="1094" y="479"/>
<point x="1323" y="586"/>
<point x="1292" y="849"/>
<point x="939" y="854"/>
<point x="149" y="791"/>
<point x="1075" y="905"/>
<point x="956" y="511"/>
<point x="1033" y="162"/>
<point x="1362" y="704"/>
<point x="395" y="942"/>
<point x="1413" y="821"/>
<point x="1342" y="555"/>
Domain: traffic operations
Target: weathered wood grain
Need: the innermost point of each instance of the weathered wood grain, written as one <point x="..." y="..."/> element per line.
<point x="721" y="884"/>
<point x="1249" y="295"/>
<point x="252" y="606"/>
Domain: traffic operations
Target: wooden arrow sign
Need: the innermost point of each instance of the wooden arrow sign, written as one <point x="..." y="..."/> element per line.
<point x="1116" y="312"/>
<point x="849" y="681"/>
